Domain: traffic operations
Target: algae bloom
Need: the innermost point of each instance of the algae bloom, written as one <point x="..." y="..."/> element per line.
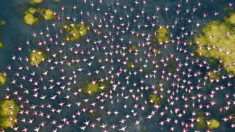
<point x="74" y="32"/>
<point x="2" y="22"/>
<point x="216" y="41"/>
<point x="93" y="88"/>
<point x="36" y="57"/>
<point x="155" y="51"/>
<point x="201" y="122"/>
<point x="33" y="2"/>
<point x="1" y="45"/>
<point x="3" y="79"/>
<point x="213" y="124"/>
<point x="133" y="48"/>
<point x="213" y="75"/>
<point x="154" y="99"/>
<point x="8" y="114"/>
<point x="47" y="14"/>
<point x="29" y="17"/>
<point x="130" y="65"/>
<point x="162" y="35"/>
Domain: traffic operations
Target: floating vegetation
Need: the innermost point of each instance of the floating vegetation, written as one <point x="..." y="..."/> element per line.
<point x="74" y="32"/>
<point x="155" y="51"/>
<point x="133" y="48"/>
<point x="36" y="57"/>
<point x="32" y="18"/>
<point x="8" y="114"/>
<point x="33" y="2"/>
<point x="93" y="88"/>
<point x="2" y="22"/>
<point x="214" y="75"/>
<point x="201" y="122"/>
<point x="162" y="35"/>
<point x="216" y="41"/>
<point x="48" y="14"/>
<point x="154" y="99"/>
<point x="3" y="78"/>
<point x="213" y="124"/>
<point x="1" y="45"/>
<point x="130" y="65"/>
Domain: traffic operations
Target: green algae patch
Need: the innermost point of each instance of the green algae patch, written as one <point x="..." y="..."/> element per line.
<point x="201" y="122"/>
<point x="33" y="15"/>
<point x="8" y="113"/>
<point x="230" y="19"/>
<point x="213" y="75"/>
<point x="1" y="45"/>
<point x="162" y="35"/>
<point x="31" y="10"/>
<point x="155" y="50"/>
<point x="216" y="41"/>
<point x="93" y="88"/>
<point x="34" y="2"/>
<point x="133" y="48"/>
<point x="213" y="124"/>
<point x="29" y="17"/>
<point x="3" y="79"/>
<point x="74" y="32"/>
<point x="9" y="107"/>
<point x="154" y="99"/>
<point x="48" y="14"/>
<point x="36" y="57"/>
<point x="2" y="22"/>
<point x="130" y="65"/>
